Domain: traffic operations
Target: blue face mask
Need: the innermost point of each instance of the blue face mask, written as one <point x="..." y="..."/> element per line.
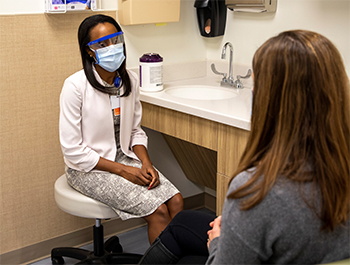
<point x="111" y="57"/>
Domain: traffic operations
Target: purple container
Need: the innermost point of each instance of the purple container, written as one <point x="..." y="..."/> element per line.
<point x="151" y="58"/>
<point x="151" y="72"/>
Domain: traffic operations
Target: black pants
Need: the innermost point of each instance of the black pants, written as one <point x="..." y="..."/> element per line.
<point x="186" y="236"/>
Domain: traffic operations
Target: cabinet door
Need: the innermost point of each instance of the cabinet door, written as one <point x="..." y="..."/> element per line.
<point x="231" y="144"/>
<point x="132" y="12"/>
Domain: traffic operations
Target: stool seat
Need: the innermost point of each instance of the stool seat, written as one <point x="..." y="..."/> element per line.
<point x="73" y="202"/>
<point x="110" y="252"/>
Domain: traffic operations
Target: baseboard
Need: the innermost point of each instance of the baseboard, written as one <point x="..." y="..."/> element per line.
<point x="210" y="202"/>
<point x="202" y="200"/>
<point x="82" y="237"/>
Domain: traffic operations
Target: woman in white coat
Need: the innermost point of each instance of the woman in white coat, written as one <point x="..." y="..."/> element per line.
<point x="104" y="147"/>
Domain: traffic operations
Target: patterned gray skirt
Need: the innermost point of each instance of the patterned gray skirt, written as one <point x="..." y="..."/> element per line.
<point x="127" y="199"/>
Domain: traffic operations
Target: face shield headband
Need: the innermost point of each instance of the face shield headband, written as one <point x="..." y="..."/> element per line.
<point x="105" y="41"/>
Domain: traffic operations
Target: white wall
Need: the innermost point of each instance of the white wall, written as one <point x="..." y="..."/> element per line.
<point x="176" y="42"/>
<point x="181" y="41"/>
<point x="247" y="31"/>
<point x="164" y="160"/>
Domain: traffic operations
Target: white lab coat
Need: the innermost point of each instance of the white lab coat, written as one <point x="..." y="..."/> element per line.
<point x="86" y="122"/>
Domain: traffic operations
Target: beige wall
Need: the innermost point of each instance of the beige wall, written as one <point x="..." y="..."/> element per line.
<point x="37" y="53"/>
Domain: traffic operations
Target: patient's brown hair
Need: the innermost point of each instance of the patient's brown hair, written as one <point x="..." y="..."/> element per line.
<point x="300" y="118"/>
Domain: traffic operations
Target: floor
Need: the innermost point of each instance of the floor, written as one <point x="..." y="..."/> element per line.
<point x="133" y="241"/>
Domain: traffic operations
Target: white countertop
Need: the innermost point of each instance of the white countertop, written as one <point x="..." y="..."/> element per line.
<point x="234" y="111"/>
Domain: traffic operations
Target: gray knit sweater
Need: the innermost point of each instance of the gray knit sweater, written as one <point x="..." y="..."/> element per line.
<point x="282" y="229"/>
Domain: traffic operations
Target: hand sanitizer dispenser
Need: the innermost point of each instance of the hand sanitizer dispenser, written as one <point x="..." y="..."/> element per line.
<point x="211" y="15"/>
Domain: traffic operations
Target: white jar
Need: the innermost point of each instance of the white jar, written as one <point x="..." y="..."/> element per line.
<point x="151" y="72"/>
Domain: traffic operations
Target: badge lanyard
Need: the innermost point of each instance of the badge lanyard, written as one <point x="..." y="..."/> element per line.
<point x="115" y="104"/>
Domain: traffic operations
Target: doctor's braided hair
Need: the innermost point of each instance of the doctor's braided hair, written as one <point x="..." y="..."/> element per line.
<point x="84" y="38"/>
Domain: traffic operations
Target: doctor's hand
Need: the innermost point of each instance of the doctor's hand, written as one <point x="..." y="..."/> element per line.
<point x="136" y="175"/>
<point x="147" y="167"/>
<point x="150" y="171"/>
<point x="215" y="232"/>
<point x="139" y="176"/>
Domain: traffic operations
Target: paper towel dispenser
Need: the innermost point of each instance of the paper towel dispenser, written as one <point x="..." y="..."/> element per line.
<point x="211" y="16"/>
<point x="255" y="6"/>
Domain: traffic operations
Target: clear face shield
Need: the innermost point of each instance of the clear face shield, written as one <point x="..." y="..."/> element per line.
<point x="112" y="39"/>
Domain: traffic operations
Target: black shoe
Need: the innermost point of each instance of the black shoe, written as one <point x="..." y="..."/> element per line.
<point x="158" y="254"/>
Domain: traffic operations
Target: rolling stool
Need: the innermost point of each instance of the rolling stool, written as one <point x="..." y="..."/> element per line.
<point x="75" y="203"/>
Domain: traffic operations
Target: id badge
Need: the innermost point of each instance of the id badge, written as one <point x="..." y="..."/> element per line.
<point x="115" y="104"/>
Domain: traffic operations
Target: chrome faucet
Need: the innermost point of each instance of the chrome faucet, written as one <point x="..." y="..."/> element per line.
<point x="223" y="56"/>
<point x="229" y="81"/>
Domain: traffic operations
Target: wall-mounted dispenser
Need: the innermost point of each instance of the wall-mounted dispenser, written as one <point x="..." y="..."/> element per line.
<point x="255" y="6"/>
<point x="211" y="15"/>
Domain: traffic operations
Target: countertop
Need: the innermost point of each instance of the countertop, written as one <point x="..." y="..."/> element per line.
<point x="234" y="111"/>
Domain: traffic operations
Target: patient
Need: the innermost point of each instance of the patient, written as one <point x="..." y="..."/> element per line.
<point x="288" y="202"/>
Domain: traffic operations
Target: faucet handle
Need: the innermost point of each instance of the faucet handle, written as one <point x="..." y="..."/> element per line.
<point x="238" y="82"/>
<point x="216" y="72"/>
<point x="249" y="73"/>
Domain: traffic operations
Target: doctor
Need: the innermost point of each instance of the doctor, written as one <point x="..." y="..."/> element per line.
<point x="104" y="147"/>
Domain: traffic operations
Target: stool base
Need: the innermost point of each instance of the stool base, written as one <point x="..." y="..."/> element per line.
<point x="88" y="257"/>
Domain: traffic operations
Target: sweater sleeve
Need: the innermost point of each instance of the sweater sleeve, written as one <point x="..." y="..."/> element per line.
<point x="73" y="149"/>
<point x="231" y="247"/>
<point x="281" y="229"/>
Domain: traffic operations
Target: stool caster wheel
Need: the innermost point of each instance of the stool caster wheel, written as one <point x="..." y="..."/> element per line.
<point x="117" y="249"/>
<point x="57" y="260"/>
<point x="112" y="245"/>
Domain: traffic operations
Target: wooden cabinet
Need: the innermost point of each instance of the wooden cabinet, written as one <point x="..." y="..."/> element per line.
<point x="228" y="142"/>
<point x="133" y="12"/>
<point x="231" y="144"/>
<point x="180" y="125"/>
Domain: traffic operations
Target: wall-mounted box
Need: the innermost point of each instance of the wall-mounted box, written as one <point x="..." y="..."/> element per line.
<point x="133" y="12"/>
